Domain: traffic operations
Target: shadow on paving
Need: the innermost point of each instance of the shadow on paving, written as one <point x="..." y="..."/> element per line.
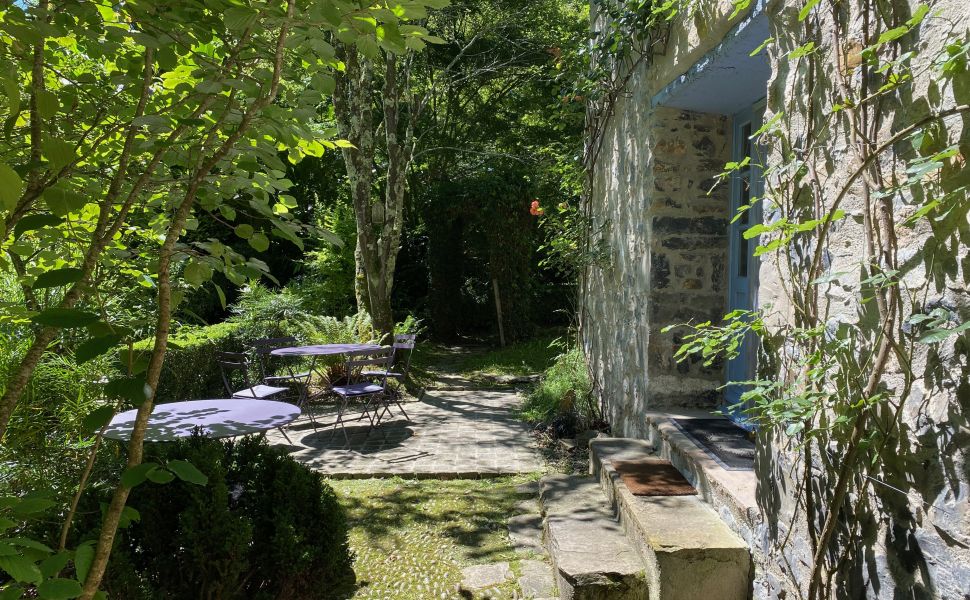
<point x="465" y="433"/>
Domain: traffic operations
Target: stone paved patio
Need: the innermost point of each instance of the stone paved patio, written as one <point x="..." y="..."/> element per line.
<point x="450" y="434"/>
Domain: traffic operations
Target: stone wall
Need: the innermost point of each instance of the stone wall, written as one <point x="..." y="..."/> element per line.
<point x="668" y="241"/>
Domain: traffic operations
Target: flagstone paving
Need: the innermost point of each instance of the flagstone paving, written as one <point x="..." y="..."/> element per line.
<point x="451" y="433"/>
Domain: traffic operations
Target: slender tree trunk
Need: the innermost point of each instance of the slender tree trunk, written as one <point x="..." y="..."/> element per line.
<point x="119" y="498"/>
<point x="379" y="221"/>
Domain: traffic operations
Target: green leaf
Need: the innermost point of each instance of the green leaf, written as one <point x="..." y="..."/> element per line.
<point x="136" y="475"/>
<point x="31" y="505"/>
<point x="196" y="273"/>
<point x="892" y="34"/>
<point x="187" y="472"/>
<point x="95" y="347"/>
<point x="47" y="104"/>
<point x="937" y="335"/>
<point x="244" y="231"/>
<point x="368" y="47"/>
<point x="64" y="317"/>
<point x="59" y="589"/>
<point x="11" y="187"/>
<point x="12" y="592"/>
<point x="58" y="153"/>
<point x="29" y="543"/>
<point x="97" y="418"/>
<point x="918" y="15"/>
<point x="53" y="565"/>
<point x="57" y="278"/>
<point x="20" y="569"/>
<point x="63" y="200"/>
<point x="160" y="476"/>
<point x="83" y="557"/>
<point x="239" y="18"/>
<point x="259" y="242"/>
<point x="34" y="222"/>
<point x="130" y="388"/>
<point x="807" y="9"/>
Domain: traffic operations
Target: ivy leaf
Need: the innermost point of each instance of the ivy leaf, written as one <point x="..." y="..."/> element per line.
<point x="136" y="475"/>
<point x="892" y="34"/>
<point x="11" y="187"/>
<point x="937" y="335"/>
<point x="807" y="9"/>
<point x="58" y="278"/>
<point x="59" y="589"/>
<point x="66" y="318"/>
<point x="187" y="472"/>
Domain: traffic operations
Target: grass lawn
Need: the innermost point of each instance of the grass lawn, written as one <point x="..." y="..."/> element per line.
<point x="413" y="537"/>
<point x="479" y="362"/>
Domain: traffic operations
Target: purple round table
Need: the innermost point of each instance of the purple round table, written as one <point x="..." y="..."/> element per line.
<point x="324" y="349"/>
<point x="217" y="418"/>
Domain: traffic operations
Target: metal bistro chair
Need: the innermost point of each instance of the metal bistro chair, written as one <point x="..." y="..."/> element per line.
<point x="230" y="362"/>
<point x="366" y="389"/>
<point x="402" y="342"/>
<point x="300" y="380"/>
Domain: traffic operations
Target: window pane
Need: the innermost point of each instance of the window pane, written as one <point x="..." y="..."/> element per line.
<point x="742" y="247"/>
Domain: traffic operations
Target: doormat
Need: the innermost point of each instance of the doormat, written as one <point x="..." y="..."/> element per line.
<point x="723" y="441"/>
<point x="653" y="477"/>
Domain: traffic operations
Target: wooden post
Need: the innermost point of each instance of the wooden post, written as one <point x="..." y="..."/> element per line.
<point x="498" y="312"/>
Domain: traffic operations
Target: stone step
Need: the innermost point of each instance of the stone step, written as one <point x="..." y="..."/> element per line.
<point x="591" y="555"/>
<point x="689" y="551"/>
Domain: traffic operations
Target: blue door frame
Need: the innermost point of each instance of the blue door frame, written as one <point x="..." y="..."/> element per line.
<point x="747" y="184"/>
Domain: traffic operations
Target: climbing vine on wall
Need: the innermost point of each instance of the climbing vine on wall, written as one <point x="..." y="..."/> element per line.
<point x="856" y="342"/>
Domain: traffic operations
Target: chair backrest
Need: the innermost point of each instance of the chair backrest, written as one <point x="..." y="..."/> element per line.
<point x="263" y="346"/>
<point x="376" y="360"/>
<point x="230" y="362"/>
<point x="404" y="341"/>
<point x="267" y="345"/>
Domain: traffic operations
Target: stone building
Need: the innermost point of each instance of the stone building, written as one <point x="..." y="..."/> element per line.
<point x="677" y="256"/>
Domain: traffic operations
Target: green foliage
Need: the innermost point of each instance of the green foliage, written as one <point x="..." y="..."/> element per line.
<point x="190" y="369"/>
<point x="48" y="439"/>
<point x="565" y="388"/>
<point x="327" y="281"/>
<point x="263" y="526"/>
<point x="262" y="312"/>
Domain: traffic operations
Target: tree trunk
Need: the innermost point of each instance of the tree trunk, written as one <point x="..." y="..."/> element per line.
<point x="379" y="223"/>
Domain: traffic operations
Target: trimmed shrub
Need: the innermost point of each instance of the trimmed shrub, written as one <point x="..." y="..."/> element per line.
<point x="263" y="526"/>
<point x="190" y="370"/>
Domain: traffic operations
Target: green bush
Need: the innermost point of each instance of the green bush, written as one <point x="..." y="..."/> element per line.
<point x="46" y="445"/>
<point x="327" y="282"/>
<point x="564" y="389"/>
<point x="263" y="526"/>
<point x="190" y="370"/>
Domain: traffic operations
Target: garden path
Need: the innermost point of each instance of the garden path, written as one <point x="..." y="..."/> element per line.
<point x="453" y="432"/>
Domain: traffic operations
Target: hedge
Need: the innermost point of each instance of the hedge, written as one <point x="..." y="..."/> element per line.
<point x="190" y="370"/>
